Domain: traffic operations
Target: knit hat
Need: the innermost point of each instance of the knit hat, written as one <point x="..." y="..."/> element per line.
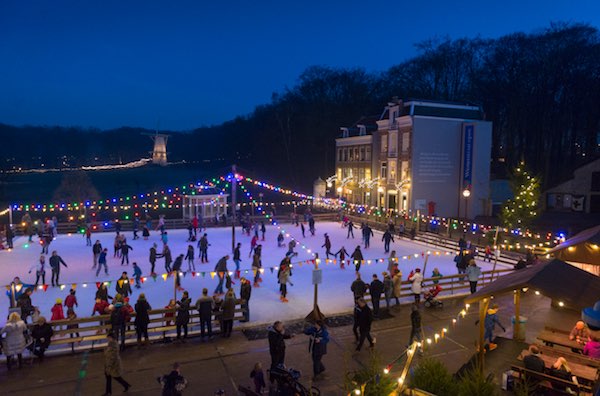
<point x="59" y="300"/>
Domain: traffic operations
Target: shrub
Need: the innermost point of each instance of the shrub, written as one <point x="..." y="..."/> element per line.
<point x="432" y="376"/>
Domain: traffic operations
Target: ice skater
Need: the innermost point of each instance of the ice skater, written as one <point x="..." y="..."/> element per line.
<point x="367" y="234"/>
<point x="311" y="225"/>
<point x="386" y="239"/>
<point x="96" y="250"/>
<point x="303" y="230"/>
<point x="152" y="258"/>
<point x="357" y="257"/>
<point x="203" y="246"/>
<point x="55" y="263"/>
<point x="125" y="248"/>
<point x="189" y="256"/>
<point x="40" y="270"/>
<point x="327" y="246"/>
<point x="102" y="262"/>
<point x="342" y="253"/>
<point x="166" y="254"/>
<point x="136" y="227"/>
<point x="350" y="230"/>
<point x="263" y="229"/>
<point x="237" y="259"/>
<point x="221" y="270"/>
<point x="291" y="246"/>
<point x="283" y="278"/>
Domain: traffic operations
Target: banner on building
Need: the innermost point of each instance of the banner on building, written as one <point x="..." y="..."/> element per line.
<point x="468" y="136"/>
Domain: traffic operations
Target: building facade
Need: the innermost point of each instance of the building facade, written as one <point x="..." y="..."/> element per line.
<point x="422" y="156"/>
<point x="581" y="193"/>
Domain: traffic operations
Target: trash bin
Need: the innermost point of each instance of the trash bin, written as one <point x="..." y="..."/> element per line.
<point x="522" y="326"/>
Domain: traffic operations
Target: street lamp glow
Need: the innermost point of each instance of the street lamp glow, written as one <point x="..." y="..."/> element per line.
<point x="339" y="189"/>
<point x="466" y="193"/>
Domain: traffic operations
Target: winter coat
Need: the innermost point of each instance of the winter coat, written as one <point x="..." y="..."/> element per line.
<point x="102" y="294"/>
<point x="183" y="312"/>
<point x="141" y="313"/>
<point x="359" y="288"/>
<point x="14" y="343"/>
<point x="416" y="280"/>
<point x="364" y="317"/>
<point x="57" y="312"/>
<point x="204" y="305"/>
<point x="125" y="248"/>
<point x="190" y="253"/>
<point x="24" y="302"/>
<point x="167" y="255"/>
<point x="45" y="332"/>
<point x="256" y="261"/>
<point x="388" y="286"/>
<point x="387" y="237"/>
<point x="221" y="265"/>
<point x="203" y="243"/>
<point x="357" y="255"/>
<point x="177" y="264"/>
<point x="118" y="316"/>
<point x="237" y="254"/>
<point x="124" y="288"/>
<point x="112" y="360"/>
<point x="228" y="308"/>
<point x="102" y="258"/>
<point x="100" y="307"/>
<point x="55" y="262"/>
<point x="491" y="319"/>
<point x="322" y="335"/>
<point x="152" y="255"/>
<point x="473" y="273"/>
<point x="397" y="279"/>
<point x="245" y="291"/>
<point x="137" y="271"/>
<point x="283" y="276"/>
<point x="97" y="248"/>
<point x="70" y="301"/>
<point x="592" y="349"/>
<point x="173" y="384"/>
<point x="277" y="342"/>
<point x="415" y="319"/>
<point x="376" y="289"/>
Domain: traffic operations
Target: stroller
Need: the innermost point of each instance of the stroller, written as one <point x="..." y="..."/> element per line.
<point x="431" y="299"/>
<point x="287" y="383"/>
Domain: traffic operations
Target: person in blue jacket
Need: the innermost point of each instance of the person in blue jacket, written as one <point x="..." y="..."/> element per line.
<point x="319" y="337"/>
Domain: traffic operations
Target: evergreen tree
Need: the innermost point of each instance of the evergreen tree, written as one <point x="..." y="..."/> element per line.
<point x="520" y="211"/>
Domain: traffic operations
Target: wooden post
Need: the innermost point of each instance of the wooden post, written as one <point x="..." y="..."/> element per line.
<point x="425" y="265"/>
<point x="517" y="327"/>
<point x="483" y="307"/>
<point x="233" y="206"/>
<point x="495" y="252"/>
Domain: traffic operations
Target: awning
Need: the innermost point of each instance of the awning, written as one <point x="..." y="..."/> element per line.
<point x="581" y="248"/>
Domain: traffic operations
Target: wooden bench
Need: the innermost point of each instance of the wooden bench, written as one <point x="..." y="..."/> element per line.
<point x="534" y="380"/>
<point x="570" y="356"/>
<point x="583" y="373"/>
<point x="551" y="336"/>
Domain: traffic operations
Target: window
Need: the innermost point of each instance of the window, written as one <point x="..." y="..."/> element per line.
<point x="362" y="153"/>
<point x="384" y="144"/>
<point x="405" y="141"/>
<point x="356" y="158"/>
<point x="384" y="170"/>
<point x="393" y="149"/>
<point x="393" y="171"/>
<point x="368" y="154"/>
<point x="339" y="174"/>
<point x="345" y="154"/>
<point x="361" y="174"/>
<point x="351" y="154"/>
<point x="340" y="155"/>
<point x="368" y="174"/>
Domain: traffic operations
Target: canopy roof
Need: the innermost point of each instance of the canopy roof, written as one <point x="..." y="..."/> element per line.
<point x="582" y="248"/>
<point x="555" y="279"/>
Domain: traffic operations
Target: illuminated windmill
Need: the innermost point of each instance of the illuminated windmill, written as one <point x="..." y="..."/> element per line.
<point x="159" y="154"/>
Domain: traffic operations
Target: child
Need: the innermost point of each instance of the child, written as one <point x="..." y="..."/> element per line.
<point x="71" y="315"/>
<point x="171" y="305"/>
<point x="57" y="310"/>
<point x="71" y="300"/>
<point x="259" y="378"/>
<point x="137" y="274"/>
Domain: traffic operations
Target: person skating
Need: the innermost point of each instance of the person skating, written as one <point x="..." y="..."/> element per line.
<point x="279" y="240"/>
<point x="283" y="278"/>
<point x="152" y="258"/>
<point x="176" y="270"/>
<point x="221" y="270"/>
<point x="137" y="274"/>
<point x="490" y="322"/>
<point x="204" y="305"/>
<point x="350" y="230"/>
<point x="164" y="237"/>
<point x="24" y="302"/>
<point x="203" y="246"/>
<point x="343" y="253"/>
<point x="227" y="314"/>
<point x="245" y="294"/>
<point x="173" y="384"/>
<point x="102" y="262"/>
<point x="387" y="238"/>
<point x="416" y="286"/>
<point x="291" y="246"/>
<point x="183" y="315"/>
<point x="96" y="250"/>
<point x="317" y="346"/>
<point x="376" y="290"/>
<point x="88" y="236"/>
<point x="14" y="339"/>
<point x="311" y="225"/>
<point x="71" y="301"/>
<point x="327" y="246"/>
<point x="40" y="270"/>
<point x="123" y="287"/>
<point x="256" y="267"/>
<point x="303" y="230"/>
<point x="365" y="318"/>
<point x="277" y="337"/>
<point x="146" y="233"/>
<point x="367" y="234"/>
<point x="358" y="288"/>
<point x="55" y="263"/>
<point x="263" y="230"/>
<point x="57" y="310"/>
<point x="117" y="245"/>
<point x="166" y="254"/>
<point x="357" y="258"/>
<point x="10" y="234"/>
<point x="112" y="365"/>
<point x="125" y="248"/>
<point x="136" y="227"/>
<point x="102" y="293"/>
<point x="195" y="225"/>
<point x="100" y="307"/>
<point x="473" y="274"/>
<point x="237" y="259"/>
<point x="42" y="336"/>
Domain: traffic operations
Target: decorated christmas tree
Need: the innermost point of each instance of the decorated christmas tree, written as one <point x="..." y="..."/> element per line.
<point x="520" y="211"/>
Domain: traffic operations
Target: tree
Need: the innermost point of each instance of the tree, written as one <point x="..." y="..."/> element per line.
<point x="75" y="186"/>
<point x="520" y="211"/>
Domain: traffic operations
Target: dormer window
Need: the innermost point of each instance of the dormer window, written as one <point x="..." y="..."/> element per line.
<point x="362" y="130"/>
<point x="345" y="132"/>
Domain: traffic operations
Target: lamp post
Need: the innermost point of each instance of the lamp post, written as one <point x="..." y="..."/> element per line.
<point x="466" y="193"/>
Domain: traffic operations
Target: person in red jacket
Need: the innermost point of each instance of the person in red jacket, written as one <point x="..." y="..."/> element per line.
<point x="71" y="301"/>
<point x="57" y="310"/>
<point x="100" y="307"/>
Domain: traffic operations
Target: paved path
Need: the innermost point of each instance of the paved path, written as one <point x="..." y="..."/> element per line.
<point x="226" y="363"/>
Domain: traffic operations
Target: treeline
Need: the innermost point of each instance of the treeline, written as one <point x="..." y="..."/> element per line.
<point x="541" y="90"/>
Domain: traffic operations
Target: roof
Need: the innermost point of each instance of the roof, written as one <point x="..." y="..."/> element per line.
<point x="555" y="279"/>
<point x="370" y="122"/>
<point x="583" y="247"/>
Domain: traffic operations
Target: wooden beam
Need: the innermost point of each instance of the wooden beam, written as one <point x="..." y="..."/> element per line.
<point x="517" y="326"/>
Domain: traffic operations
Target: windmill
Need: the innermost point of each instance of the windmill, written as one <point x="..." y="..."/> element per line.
<point x="159" y="154"/>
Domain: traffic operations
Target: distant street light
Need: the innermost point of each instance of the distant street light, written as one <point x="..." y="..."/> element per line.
<point x="466" y="193"/>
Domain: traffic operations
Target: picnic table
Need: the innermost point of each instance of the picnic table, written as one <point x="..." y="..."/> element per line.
<point x="581" y="371"/>
<point x="570" y="356"/>
<point x="552" y="337"/>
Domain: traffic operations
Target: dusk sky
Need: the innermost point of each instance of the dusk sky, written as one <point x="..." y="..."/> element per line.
<point x="114" y="63"/>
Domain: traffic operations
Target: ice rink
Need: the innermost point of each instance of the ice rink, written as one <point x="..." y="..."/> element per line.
<point x="334" y="293"/>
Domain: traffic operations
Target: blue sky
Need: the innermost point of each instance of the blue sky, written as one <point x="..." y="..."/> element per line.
<point x="186" y="64"/>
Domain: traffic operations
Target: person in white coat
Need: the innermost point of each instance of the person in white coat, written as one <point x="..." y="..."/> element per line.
<point x="417" y="280"/>
<point x="14" y="339"/>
